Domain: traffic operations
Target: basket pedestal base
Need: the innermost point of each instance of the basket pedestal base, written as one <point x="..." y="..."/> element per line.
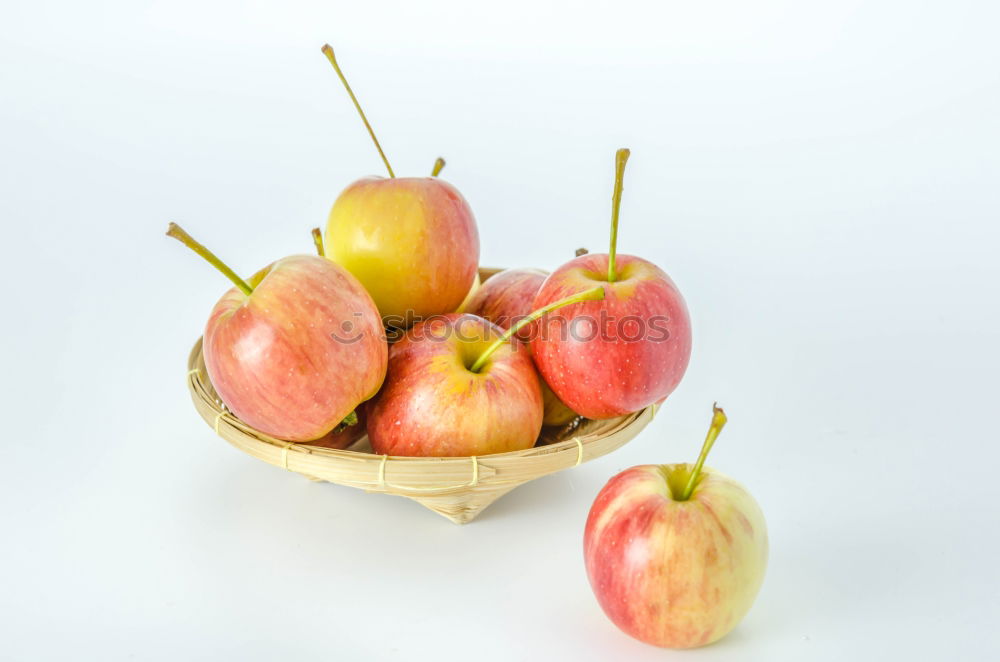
<point x="462" y="508"/>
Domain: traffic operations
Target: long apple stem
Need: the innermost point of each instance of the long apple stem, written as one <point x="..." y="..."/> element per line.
<point x="438" y="166"/>
<point x="621" y="158"/>
<point x="593" y="294"/>
<point x="318" y="240"/>
<point x="178" y="233"/>
<point x="718" y="422"/>
<point x="328" y="52"/>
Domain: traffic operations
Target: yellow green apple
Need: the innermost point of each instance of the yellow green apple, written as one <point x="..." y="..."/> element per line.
<point x="411" y="241"/>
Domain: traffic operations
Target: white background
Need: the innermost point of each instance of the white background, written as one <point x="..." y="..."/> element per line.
<point x="820" y="179"/>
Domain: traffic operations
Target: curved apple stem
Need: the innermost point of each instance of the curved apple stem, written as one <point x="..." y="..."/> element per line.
<point x="328" y="52"/>
<point x="718" y="422"/>
<point x="621" y="157"/>
<point x="438" y="166"/>
<point x="178" y="233"/>
<point x="593" y="294"/>
<point x="318" y="240"/>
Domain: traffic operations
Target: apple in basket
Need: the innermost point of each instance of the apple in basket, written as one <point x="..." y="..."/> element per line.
<point x="411" y="241"/>
<point x="676" y="553"/>
<point x="293" y="351"/>
<point x="476" y="284"/>
<point x="612" y="357"/>
<point x="458" y="386"/>
<point x="505" y="299"/>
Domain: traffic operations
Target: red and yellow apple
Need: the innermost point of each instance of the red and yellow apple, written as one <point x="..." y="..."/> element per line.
<point x="296" y="349"/>
<point x="432" y="403"/>
<point x="506" y="298"/>
<point x="411" y="241"/>
<point x="612" y="357"/>
<point x="457" y="385"/>
<point x="676" y="553"/>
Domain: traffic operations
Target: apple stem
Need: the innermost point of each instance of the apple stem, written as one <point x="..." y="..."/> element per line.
<point x="328" y="52"/>
<point x="178" y="233"/>
<point x="718" y="422"/>
<point x="593" y="294"/>
<point x="438" y="165"/>
<point x="621" y="157"/>
<point x="318" y="240"/>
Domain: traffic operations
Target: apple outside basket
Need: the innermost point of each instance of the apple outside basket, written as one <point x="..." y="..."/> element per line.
<point x="458" y="488"/>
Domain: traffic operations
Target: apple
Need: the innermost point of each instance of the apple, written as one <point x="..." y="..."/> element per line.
<point x="295" y="350"/>
<point x="411" y="241"/>
<point x="507" y="296"/>
<point x="554" y="412"/>
<point x="504" y="299"/>
<point x="476" y="284"/>
<point x="433" y="404"/>
<point x="457" y="386"/>
<point x="612" y="357"/>
<point x="676" y="553"/>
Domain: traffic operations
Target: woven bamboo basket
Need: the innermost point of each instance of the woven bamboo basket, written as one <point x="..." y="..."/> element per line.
<point x="458" y="488"/>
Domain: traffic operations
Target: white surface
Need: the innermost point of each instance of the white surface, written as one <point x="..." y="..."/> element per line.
<point x="819" y="178"/>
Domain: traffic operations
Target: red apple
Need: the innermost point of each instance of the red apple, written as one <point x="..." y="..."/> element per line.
<point x="504" y="299"/>
<point x="411" y="241"/>
<point x="674" y="554"/>
<point x="458" y="386"/>
<point x="433" y="404"/>
<point x="609" y="358"/>
<point x="293" y="352"/>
